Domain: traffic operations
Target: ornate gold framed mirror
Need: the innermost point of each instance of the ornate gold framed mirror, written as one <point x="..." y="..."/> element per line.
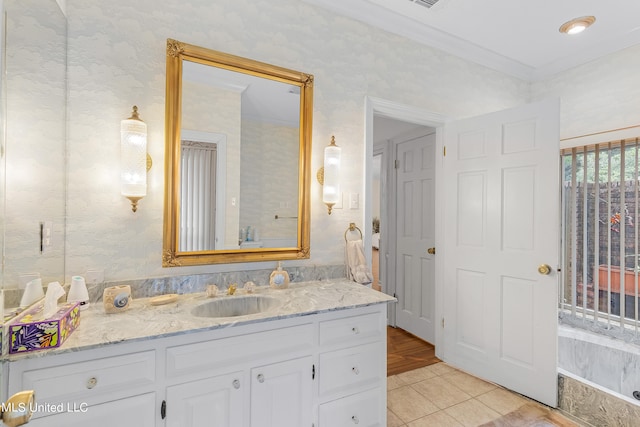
<point x="237" y="159"/>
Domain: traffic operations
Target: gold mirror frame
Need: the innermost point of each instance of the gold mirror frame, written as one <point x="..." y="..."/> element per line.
<point x="176" y="53"/>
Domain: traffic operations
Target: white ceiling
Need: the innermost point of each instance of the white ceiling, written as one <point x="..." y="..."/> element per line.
<point x="517" y="37"/>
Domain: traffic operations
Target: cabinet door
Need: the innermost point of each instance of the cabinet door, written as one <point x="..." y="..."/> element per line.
<point x="215" y="401"/>
<point x="136" y="411"/>
<point x="281" y="394"/>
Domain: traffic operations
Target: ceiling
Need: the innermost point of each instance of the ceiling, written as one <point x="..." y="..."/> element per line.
<point x="520" y="38"/>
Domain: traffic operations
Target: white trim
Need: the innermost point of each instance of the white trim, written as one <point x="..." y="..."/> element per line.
<point x="393" y="110"/>
<point x="220" y="140"/>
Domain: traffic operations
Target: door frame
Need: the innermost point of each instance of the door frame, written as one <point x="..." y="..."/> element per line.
<point x="406" y="113"/>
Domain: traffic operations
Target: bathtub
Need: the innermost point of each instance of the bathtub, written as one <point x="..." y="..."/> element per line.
<point x="598" y="376"/>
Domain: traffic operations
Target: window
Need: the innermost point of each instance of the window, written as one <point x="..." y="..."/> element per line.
<point x="601" y="239"/>
<point x="198" y="195"/>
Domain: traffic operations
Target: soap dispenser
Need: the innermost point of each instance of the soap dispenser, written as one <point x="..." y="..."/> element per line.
<point x="279" y="278"/>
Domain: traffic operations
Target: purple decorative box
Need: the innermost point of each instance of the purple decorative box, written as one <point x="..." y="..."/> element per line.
<point x="27" y="335"/>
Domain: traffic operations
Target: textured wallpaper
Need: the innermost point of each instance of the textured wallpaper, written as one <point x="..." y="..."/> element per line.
<point x="35" y="139"/>
<point x="269" y="179"/>
<point x="598" y="96"/>
<point x="117" y="59"/>
<point x="210" y="109"/>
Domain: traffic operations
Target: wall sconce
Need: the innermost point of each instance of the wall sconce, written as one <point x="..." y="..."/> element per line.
<point x="135" y="162"/>
<point x="329" y="174"/>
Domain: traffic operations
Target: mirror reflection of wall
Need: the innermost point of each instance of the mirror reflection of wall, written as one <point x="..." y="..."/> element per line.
<point x="35" y="120"/>
<point x="257" y="150"/>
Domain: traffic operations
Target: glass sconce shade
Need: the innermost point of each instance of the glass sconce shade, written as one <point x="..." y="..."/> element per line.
<point x="133" y="152"/>
<point x="331" y="186"/>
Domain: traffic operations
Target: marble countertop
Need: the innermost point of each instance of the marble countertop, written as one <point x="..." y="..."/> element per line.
<point x="144" y="321"/>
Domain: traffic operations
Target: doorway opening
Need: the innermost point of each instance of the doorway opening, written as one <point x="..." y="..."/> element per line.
<point x="403" y="139"/>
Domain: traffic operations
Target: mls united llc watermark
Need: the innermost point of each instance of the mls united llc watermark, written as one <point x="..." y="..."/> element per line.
<point x="48" y="408"/>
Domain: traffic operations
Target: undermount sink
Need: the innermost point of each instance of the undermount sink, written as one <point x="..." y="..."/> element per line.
<point x="236" y="306"/>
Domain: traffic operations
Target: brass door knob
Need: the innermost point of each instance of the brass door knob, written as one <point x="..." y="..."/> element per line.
<point x="431" y="251"/>
<point x="544" y="269"/>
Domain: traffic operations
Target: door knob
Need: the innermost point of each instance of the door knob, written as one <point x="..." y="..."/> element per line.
<point x="431" y="251"/>
<point x="544" y="269"/>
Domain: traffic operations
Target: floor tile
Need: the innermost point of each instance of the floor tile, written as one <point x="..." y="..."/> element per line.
<point x="501" y="400"/>
<point x="439" y="419"/>
<point x="394" y="382"/>
<point x="408" y="404"/>
<point x="531" y="415"/>
<point x="393" y="420"/>
<point x="469" y="384"/>
<point x="419" y="374"/>
<point x="442" y="368"/>
<point x="472" y="413"/>
<point x="441" y="392"/>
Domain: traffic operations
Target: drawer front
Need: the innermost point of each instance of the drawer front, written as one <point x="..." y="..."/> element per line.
<point x="208" y="356"/>
<point x="366" y="409"/>
<point x="138" y="411"/>
<point x="352" y="330"/>
<point x="92" y="381"/>
<point x="345" y="371"/>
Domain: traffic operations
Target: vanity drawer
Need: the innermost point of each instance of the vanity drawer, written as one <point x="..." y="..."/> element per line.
<point x="352" y="330"/>
<point x="345" y="371"/>
<point x="91" y="381"/>
<point x="366" y="409"/>
<point x="209" y="356"/>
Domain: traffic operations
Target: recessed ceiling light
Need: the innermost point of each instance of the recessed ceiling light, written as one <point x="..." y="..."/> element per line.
<point x="577" y="25"/>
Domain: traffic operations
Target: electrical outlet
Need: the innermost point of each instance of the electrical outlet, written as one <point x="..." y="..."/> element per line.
<point x="93" y="277"/>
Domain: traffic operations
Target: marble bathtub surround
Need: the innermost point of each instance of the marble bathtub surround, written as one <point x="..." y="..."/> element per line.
<point x="595" y="406"/>
<point x="143" y="321"/>
<point x="439" y="395"/>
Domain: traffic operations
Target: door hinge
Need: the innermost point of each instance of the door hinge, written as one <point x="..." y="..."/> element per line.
<point x="313" y="372"/>
<point x="163" y="409"/>
<point x="444" y="151"/>
<point x="443" y="322"/>
<point x="395" y="296"/>
<point x="396" y="164"/>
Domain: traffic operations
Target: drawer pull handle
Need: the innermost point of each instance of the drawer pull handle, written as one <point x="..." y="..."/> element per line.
<point x="355" y="420"/>
<point x="236" y="384"/>
<point x="355" y="370"/>
<point x="260" y="378"/>
<point x="92" y="382"/>
<point x="355" y="330"/>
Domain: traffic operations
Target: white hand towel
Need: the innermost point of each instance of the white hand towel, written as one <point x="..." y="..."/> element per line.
<point x="356" y="263"/>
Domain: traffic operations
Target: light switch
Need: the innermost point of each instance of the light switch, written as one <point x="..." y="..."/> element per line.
<point x="354" y="201"/>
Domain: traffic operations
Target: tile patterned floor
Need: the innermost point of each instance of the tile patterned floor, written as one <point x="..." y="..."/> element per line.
<point x="441" y="396"/>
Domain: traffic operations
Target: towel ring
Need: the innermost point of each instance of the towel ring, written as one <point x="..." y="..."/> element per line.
<point x="352" y="227"/>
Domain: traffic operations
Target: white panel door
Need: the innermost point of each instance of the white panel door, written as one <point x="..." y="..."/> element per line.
<point x="415" y="234"/>
<point x="281" y="394"/>
<point x="501" y="221"/>
<point x="216" y="401"/>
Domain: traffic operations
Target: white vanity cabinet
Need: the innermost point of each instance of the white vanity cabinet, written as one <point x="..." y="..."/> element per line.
<point x="94" y="388"/>
<point x="319" y="370"/>
<point x="352" y="386"/>
<point x="281" y="394"/>
<point x="216" y="401"/>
